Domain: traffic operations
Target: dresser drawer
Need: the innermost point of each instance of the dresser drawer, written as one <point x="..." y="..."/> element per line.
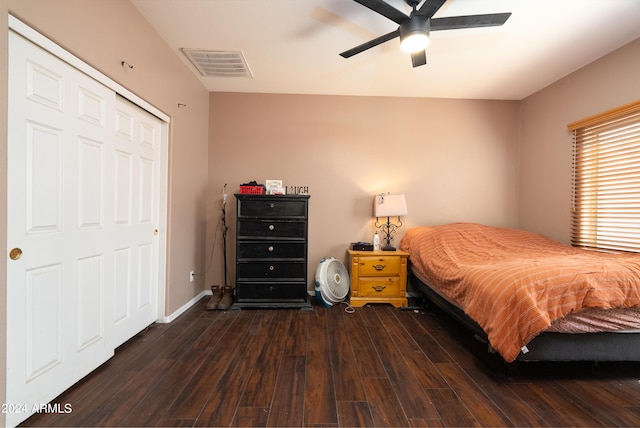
<point x="379" y="286"/>
<point x="270" y="270"/>
<point x="272" y="207"/>
<point x="271" y="249"/>
<point x="271" y="229"/>
<point x="267" y="292"/>
<point x="385" y="266"/>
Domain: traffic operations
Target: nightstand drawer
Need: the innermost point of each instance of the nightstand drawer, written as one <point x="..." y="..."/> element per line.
<point x="379" y="266"/>
<point x="379" y="287"/>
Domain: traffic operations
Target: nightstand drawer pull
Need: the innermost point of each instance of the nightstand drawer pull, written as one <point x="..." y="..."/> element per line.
<point x="272" y="205"/>
<point x="379" y="288"/>
<point x="271" y="267"/>
<point x="379" y="267"/>
<point x="271" y="227"/>
<point x="270" y="248"/>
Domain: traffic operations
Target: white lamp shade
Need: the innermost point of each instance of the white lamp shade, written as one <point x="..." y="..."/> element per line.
<point x="389" y="205"/>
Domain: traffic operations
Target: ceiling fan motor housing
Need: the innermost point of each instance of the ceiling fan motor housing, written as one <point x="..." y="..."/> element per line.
<point x="415" y="23"/>
<point x="417" y="26"/>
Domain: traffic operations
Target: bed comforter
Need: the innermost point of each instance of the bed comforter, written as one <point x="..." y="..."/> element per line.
<point x="514" y="283"/>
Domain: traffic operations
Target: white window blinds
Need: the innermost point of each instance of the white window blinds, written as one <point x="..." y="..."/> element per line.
<point x="606" y="180"/>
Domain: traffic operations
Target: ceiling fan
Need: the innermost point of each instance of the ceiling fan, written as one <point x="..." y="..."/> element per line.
<point x="414" y="29"/>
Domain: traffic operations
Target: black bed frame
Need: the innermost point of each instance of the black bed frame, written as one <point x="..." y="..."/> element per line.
<point x="549" y="346"/>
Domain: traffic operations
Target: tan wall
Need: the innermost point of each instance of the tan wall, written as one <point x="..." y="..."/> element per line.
<point x="455" y="160"/>
<point x="546" y="145"/>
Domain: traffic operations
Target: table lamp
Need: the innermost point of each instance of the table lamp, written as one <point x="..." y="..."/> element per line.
<point x="388" y="205"/>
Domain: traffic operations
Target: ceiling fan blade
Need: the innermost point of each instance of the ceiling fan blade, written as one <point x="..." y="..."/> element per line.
<point x="371" y="43"/>
<point x="418" y="59"/>
<point x="430" y="7"/>
<point x="470" y="21"/>
<point x="384" y="9"/>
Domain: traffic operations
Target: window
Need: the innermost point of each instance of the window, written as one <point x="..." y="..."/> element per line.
<point x="606" y="180"/>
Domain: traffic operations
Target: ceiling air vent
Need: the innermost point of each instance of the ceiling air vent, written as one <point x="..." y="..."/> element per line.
<point x="218" y="63"/>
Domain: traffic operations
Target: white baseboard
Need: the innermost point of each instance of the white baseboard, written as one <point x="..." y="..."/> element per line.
<point x="168" y="318"/>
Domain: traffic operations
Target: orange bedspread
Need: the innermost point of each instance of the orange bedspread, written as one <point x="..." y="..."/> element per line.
<point x="515" y="283"/>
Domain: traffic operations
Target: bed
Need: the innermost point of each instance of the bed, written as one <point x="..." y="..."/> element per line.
<point x="530" y="297"/>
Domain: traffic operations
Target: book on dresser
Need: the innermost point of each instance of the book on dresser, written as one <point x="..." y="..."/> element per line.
<point x="271" y="251"/>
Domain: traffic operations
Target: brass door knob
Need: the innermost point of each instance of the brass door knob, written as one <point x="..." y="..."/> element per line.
<point x="15" y="253"/>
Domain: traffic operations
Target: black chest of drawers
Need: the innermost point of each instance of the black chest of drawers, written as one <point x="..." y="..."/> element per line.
<point x="271" y="251"/>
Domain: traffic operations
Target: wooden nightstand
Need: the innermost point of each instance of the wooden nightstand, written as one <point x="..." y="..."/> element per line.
<point x="378" y="277"/>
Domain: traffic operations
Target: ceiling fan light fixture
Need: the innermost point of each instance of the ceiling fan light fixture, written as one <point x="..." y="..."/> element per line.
<point x="415" y="42"/>
<point x="414" y="34"/>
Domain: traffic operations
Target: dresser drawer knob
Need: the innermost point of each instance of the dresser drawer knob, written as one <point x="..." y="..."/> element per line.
<point x="270" y="248"/>
<point x="272" y="205"/>
<point x="271" y="227"/>
<point x="271" y="267"/>
<point x="379" y="267"/>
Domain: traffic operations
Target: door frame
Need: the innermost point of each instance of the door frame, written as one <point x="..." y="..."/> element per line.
<point x="50" y="46"/>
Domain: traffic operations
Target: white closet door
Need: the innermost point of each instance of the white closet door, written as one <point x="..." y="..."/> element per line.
<point x="136" y="173"/>
<point x="75" y="287"/>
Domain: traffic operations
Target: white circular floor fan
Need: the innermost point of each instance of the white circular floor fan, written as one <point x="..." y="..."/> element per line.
<point x="332" y="281"/>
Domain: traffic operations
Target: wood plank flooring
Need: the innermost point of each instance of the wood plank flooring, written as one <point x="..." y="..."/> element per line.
<point x="379" y="366"/>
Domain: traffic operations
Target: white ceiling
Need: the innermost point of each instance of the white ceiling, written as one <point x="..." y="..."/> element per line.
<point x="293" y="46"/>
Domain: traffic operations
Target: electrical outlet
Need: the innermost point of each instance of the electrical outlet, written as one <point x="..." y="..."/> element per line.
<point x="191" y="275"/>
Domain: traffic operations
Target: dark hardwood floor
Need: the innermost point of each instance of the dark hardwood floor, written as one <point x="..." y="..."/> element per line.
<point x="379" y="366"/>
